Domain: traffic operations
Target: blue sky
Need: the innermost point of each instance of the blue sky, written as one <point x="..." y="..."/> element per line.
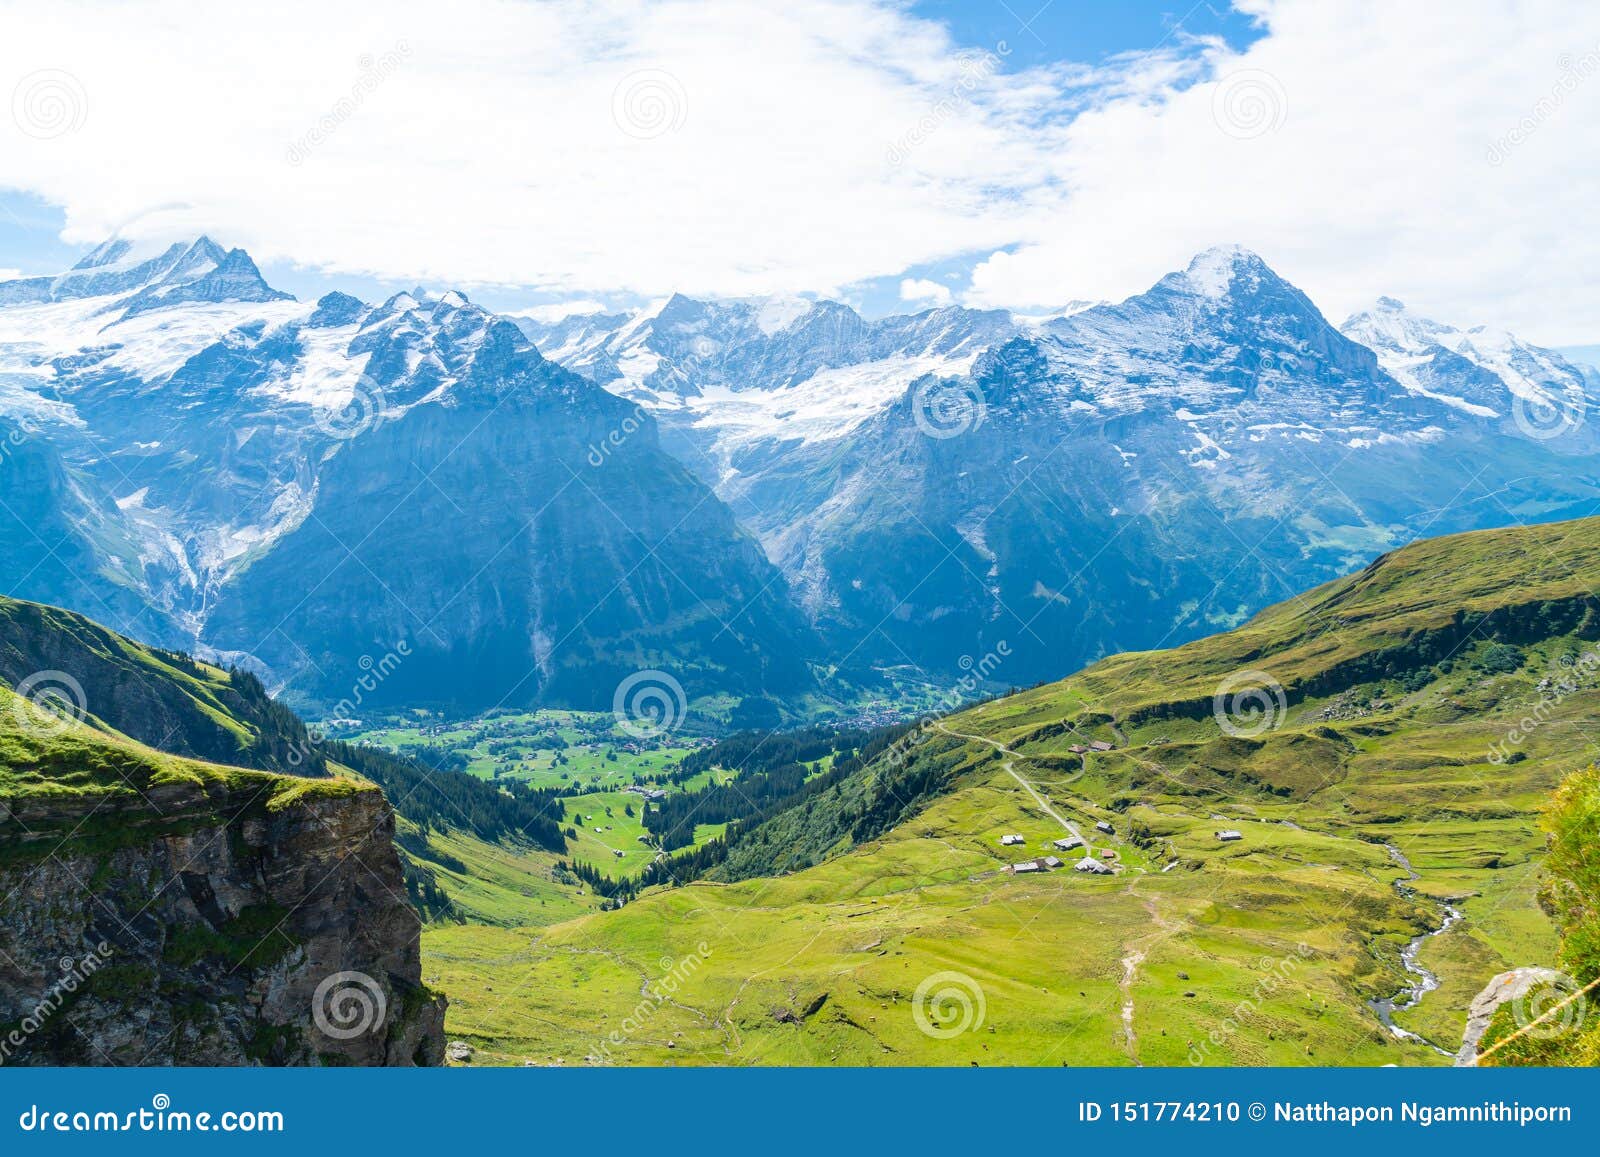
<point x="895" y="154"/>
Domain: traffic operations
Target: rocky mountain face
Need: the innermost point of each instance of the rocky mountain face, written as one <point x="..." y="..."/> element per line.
<point x="156" y="909"/>
<point x="293" y="487"/>
<point x="732" y="491"/>
<point x="1120" y="476"/>
<point x="210" y="938"/>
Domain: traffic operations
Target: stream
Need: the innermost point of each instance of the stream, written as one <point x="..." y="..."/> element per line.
<point x="1411" y="996"/>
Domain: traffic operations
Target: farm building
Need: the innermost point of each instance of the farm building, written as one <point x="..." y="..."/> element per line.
<point x="1108" y="854"/>
<point x="1102" y="826"/>
<point x="1049" y="862"/>
<point x="1007" y="841"/>
<point x="1077" y="749"/>
<point x="1099" y="745"/>
<point x="1067" y="843"/>
<point x="1090" y="864"/>
<point x="1228" y="835"/>
<point x="1026" y="866"/>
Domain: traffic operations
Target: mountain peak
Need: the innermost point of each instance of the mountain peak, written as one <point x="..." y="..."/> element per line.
<point x="1213" y="271"/>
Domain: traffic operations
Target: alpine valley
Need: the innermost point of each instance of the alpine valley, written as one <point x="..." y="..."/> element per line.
<point x="773" y="501"/>
<point x="1179" y="681"/>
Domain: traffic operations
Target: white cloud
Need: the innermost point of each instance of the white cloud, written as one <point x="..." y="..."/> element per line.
<point x="559" y="311"/>
<point x="920" y="289"/>
<point x="1361" y="149"/>
<point x="10" y="274"/>
<point x="590" y="148"/>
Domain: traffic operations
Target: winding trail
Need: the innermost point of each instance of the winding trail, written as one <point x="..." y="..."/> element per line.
<point x="1010" y="767"/>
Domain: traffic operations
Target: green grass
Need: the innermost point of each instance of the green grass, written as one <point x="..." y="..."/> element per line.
<point x="1393" y="695"/>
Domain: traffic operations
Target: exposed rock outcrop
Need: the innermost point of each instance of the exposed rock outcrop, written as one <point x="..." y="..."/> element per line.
<point x="225" y="923"/>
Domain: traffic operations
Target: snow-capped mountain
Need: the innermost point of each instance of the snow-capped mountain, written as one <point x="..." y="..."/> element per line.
<point x="1482" y="371"/>
<point x="222" y="466"/>
<point x="728" y="490"/>
<point x="1117" y="475"/>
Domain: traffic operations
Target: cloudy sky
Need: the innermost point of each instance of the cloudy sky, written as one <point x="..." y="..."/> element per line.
<point x="893" y="154"/>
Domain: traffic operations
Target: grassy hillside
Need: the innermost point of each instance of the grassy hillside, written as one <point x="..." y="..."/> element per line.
<point x="1420" y="713"/>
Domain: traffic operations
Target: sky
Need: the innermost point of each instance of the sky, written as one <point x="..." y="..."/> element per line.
<point x="1019" y="154"/>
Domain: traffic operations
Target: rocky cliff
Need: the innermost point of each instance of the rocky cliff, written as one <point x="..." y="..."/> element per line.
<point x="223" y="926"/>
<point x="157" y="908"/>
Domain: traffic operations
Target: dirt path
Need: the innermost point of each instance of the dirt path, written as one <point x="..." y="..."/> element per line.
<point x="1010" y="767"/>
